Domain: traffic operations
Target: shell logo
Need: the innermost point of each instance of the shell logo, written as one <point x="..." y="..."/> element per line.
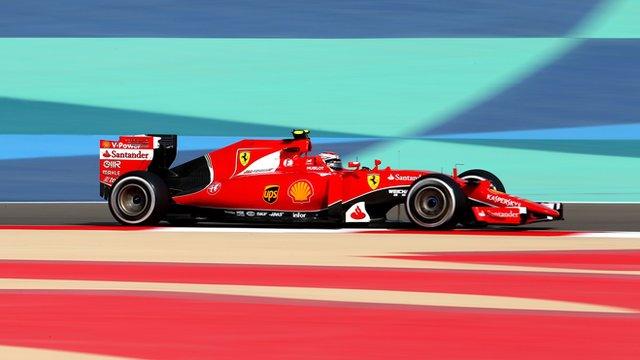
<point x="300" y="191"/>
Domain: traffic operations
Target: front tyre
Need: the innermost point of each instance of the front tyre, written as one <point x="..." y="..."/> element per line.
<point x="435" y="201"/>
<point x="469" y="219"/>
<point x="479" y="174"/>
<point x="139" y="198"/>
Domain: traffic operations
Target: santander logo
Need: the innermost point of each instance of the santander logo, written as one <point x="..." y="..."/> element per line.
<point x="357" y="214"/>
<point x="115" y="154"/>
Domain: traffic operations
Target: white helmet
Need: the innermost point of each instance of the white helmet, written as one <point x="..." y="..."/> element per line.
<point x="332" y="160"/>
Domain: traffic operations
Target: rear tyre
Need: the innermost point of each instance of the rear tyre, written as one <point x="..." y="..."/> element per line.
<point x="435" y="201"/>
<point x="139" y="198"/>
<point x="469" y="220"/>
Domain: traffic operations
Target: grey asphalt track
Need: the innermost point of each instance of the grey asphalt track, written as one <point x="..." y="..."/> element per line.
<point x="579" y="217"/>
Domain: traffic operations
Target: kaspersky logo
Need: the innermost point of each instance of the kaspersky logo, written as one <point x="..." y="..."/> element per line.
<point x="504" y="201"/>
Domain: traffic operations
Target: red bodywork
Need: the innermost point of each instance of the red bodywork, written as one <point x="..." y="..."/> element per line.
<point x="264" y="178"/>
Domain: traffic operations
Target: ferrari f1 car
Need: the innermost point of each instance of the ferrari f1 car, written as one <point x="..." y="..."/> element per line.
<point x="281" y="181"/>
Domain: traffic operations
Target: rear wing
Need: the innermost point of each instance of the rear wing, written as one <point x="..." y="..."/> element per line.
<point x="151" y="152"/>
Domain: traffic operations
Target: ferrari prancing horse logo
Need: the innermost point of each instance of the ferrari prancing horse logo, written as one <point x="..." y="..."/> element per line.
<point x="244" y="157"/>
<point x="373" y="180"/>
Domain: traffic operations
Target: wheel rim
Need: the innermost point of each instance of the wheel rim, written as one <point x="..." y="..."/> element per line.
<point x="431" y="203"/>
<point x="133" y="200"/>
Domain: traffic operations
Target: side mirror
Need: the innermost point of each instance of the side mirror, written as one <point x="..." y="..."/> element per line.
<point x="292" y="149"/>
<point x="377" y="162"/>
<point x="354" y="164"/>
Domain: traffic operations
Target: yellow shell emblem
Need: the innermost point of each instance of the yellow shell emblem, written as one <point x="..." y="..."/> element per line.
<point x="300" y="191"/>
<point x="373" y="180"/>
<point x="244" y="157"/>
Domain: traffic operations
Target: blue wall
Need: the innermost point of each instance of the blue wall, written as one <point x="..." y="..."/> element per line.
<point x="544" y="93"/>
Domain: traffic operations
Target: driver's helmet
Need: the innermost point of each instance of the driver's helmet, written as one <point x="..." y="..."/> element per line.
<point x="331" y="159"/>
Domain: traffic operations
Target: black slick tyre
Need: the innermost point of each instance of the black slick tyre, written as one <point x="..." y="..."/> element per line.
<point x="435" y="201"/>
<point x="139" y="198"/>
<point x="479" y="174"/>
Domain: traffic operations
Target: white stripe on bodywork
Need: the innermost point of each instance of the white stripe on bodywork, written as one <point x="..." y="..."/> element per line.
<point x="267" y="164"/>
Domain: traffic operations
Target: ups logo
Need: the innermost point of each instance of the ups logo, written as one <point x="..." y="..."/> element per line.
<point x="270" y="194"/>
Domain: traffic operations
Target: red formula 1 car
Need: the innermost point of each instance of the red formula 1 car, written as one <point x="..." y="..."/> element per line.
<point x="280" y="181"/>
